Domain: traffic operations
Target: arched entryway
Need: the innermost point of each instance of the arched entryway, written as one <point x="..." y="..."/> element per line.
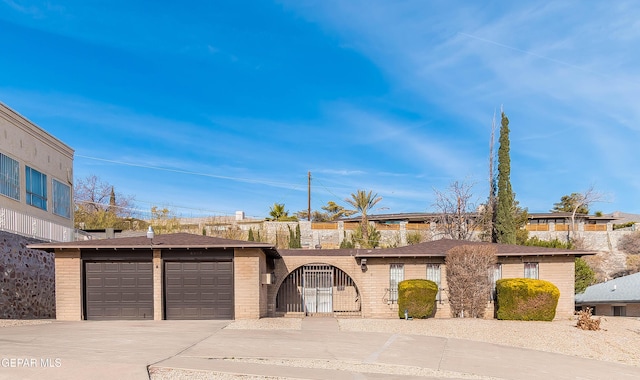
<point x="318" y="289"/>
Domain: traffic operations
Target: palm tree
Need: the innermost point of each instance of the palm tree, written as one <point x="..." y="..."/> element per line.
<point x="362" y="202"/>
<point x="278" y="212"/>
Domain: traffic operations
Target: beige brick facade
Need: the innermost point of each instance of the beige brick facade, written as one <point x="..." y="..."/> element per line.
<point x="158" y="307"/>
<point x="250" y="295"/>
<point x="365" y="291"/>
<point x="68" y="285"/>
<point x="373" y="284"/>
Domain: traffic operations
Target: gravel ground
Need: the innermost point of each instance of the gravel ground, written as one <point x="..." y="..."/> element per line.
<point x="618" y="340"/>
<point x="23" y="322"/>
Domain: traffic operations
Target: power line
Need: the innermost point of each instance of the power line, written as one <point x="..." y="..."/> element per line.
<point x="201" y="174"/>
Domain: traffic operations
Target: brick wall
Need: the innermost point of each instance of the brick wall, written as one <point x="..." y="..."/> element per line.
<point x="27" y="287"/>
<point x="249" y="294"/>
<point x="558" y="270"/>
<point x="68" y="285"/>
<point x="373" y="284"/>
<point x="158" y="305"/>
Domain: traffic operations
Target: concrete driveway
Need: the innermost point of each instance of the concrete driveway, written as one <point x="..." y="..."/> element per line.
<point x="173" y="349"/>
<point x="96" y="350"/>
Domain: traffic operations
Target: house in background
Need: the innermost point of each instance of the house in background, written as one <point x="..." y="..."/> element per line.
<point x="36" y="180"/>
<point x="617" y="297"/>
<point x="188" y="276"/>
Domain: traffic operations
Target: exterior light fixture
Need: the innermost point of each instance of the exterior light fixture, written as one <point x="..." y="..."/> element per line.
<point x="363" y="265"/>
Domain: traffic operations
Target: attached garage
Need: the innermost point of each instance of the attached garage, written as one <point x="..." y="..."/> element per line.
<point x="168" y="276"/>
<point x="198" y="289"/>
<point x="118" y="289"/>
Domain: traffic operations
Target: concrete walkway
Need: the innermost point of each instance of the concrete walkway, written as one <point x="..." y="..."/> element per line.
<point x="319" y="350"/>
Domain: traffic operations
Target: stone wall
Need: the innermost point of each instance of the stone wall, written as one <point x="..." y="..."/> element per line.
<point x="27" y="285"/>
<point x="609" y="260"/>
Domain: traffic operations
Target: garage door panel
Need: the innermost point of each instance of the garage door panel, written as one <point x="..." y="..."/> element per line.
<point x="190" y="267"/>
<point x="110" y="267"/>
<point x="225" y="297"/>
<point x="94" y="282"/>
<point x="119" y="290"/>
<point x="191" y="281"/>
<point x="199" y="290"/>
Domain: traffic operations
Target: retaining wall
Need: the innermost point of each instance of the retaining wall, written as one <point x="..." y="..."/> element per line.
<point x="27" y="283"/>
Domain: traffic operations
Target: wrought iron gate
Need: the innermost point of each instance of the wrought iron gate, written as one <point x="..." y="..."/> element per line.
<point x="318" y="289"/>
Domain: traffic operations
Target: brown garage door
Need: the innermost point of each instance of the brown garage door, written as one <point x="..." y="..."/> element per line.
<point x="118" y="290"/>
<point x="198" y="289"/>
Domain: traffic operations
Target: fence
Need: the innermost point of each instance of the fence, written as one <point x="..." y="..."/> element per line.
<point x="27" y="225"/>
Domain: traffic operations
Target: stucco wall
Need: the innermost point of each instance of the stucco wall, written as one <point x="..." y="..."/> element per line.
<point x="27" y="285"/>
<point x="30" y="145"/>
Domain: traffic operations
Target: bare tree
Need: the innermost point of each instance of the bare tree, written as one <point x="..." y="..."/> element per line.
<point x="584" y="199"/>
<point x="468" y="281"/>
<point x="456" y="213"/>
<point x="98" y="205"/>
<point x="95" y="195"/>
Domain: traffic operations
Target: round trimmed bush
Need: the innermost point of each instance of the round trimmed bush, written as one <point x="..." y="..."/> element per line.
<point x="418" y="297"/>
<point x="526" y="299"/>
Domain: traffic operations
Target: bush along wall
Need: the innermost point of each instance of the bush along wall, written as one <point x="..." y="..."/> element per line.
<point x="418" y="298"/>
<point x="526" y="299"/>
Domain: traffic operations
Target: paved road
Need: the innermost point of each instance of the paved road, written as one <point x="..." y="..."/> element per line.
<point x="124" y="350"/>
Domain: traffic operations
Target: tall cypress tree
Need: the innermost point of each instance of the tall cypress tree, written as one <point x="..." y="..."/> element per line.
<point x="505" y="226"/>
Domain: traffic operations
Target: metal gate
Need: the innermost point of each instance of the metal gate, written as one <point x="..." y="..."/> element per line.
<point x="318" y="289"/>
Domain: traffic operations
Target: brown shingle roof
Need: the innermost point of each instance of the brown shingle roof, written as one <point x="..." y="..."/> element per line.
<point x="437" y="248"/>
<point x="440" y="248"/>
<point x="166" y="241"/>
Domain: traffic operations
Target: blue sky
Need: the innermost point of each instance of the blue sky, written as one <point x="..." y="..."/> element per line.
<point x="218" y="106"/>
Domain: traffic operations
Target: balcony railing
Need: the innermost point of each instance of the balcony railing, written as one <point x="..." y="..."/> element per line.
<point x="27" y="225"/>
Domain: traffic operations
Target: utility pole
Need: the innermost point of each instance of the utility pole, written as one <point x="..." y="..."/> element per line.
<point x="309" y="197"/>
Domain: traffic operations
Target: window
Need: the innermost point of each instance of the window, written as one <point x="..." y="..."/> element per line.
<point x="531" y="270"/>
<point x="433" y="274"/>
<point x="619" y="311"/>
<point x="495" y="274"/>
<point x="61" y="199"/>
<point x="9" y="177"/>
<point x="36" y="188"/>
<point x="396" y="275"/>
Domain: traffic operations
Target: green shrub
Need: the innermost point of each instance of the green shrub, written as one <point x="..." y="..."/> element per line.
<point x="418" y="297"/>
<point x="526" y="299"/>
